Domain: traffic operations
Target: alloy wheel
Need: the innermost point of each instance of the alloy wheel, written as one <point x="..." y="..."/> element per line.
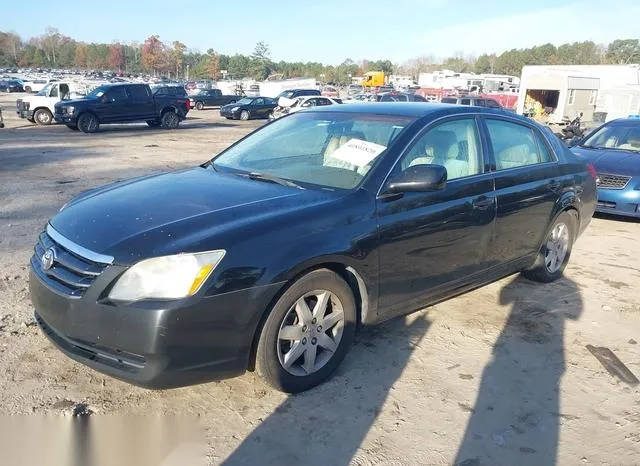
<point x="310" y="332"/>
<point x="557" y="247"/>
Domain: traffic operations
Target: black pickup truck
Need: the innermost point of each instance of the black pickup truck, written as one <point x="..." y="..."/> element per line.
<point x="122" y="103"/>
<point x="211" y="98"/>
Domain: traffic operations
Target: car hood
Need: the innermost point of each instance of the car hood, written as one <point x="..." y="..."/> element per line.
<point x="173" y="212"/>
<point x="618" y="162"/>
<point x="74" y="101"/>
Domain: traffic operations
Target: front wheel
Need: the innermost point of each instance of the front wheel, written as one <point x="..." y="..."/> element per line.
<point x="556" y="249"/>
<point x="88" y="123"/>
<point x="244" y="115"/>
<point x="43" y="117"/>
<point x="170" y="120"/>
<point x="307" y="333"/>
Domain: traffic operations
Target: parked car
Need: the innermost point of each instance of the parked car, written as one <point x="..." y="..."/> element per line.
<point x="399" y="97"/>
<point x="293" y="93"/>
<point x="354" y="89"/>
<point x="211" y="98"/>
<point x="330" y="91"/>
<point x="35" y="85"/>
<point x="614" y="151"/>
<point x="248" y="108"/>
<point x="300" y="103"/>
<point x="122" y="103"/>
<point x="473" y="101"/>
<point x="11" y="85"/>
<point x="39" y="108"/>
<point x="272" y="253"/>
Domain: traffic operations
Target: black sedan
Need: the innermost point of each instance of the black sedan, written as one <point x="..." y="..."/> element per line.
<point x="248" y="108"/>
<point x="270" y="255"/>
<point x="399" y="97"/>
<point x="11" y="85"/>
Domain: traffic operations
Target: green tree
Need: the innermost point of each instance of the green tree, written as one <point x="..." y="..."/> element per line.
<point x="261" y="66"/>
<point x="239" y="66"/>
<point x="624" y="51"/>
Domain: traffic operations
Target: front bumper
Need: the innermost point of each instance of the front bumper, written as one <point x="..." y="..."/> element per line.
<point x="624" y="202"/>
<point x="152" y="344"/>
<point x="25" y="114"/>
<point x="66" y="118"/>
<point x="227" y="113"/>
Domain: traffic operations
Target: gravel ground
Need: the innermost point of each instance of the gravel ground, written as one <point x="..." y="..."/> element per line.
<point x="498" y="376"/>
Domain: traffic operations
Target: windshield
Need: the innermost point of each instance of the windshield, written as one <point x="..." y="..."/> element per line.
<point x="244" y="101"/>
<point x="330" y="149"/>
<point x="287" y="94"/>
<point x="45" y="90"/>
<point x="621" y="137"/>
<point x="97" y="92"/>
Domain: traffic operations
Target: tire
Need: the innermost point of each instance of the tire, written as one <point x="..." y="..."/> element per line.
<point x="43" y="117"/>
<point x="199" y="105"/>
<point x="73" y="127"/>
<point x="153" y="123"/>
<point x="272" y="349"/>
<point x="556" y="249"/>
<point x="88" y="123"/>
<point x="170" y="120"/>
<point x="31" y="120"/>
<point x="245" y="115"/>
<point x="27" y="89"/>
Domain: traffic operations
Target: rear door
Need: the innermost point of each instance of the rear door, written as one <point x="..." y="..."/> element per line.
<point x="142" y="104"/>
<point x="437" y="241"/>
<point x="528" y="183"/>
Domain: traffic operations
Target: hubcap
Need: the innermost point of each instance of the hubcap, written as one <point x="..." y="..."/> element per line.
<point x="310" y="332"/>
<point x="557" y="246"/>
<point x="43" y="117"/>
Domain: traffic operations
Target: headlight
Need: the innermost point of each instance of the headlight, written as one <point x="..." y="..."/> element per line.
<point x="233" y="109"/>
<point x="69" y="109"/>
<point x="168" y="277"/>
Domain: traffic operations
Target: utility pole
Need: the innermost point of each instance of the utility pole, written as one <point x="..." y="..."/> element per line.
<point x="187" y="72"/>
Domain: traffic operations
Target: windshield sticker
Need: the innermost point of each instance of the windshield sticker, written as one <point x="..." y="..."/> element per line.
<point x="358" y="152"/>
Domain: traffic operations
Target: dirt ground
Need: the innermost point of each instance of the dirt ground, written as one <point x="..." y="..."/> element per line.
<point x="499" y="376"/>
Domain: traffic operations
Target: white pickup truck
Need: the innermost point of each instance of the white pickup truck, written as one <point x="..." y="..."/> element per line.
<point x="39" y="108"/>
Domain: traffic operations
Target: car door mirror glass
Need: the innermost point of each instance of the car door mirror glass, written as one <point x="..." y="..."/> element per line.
<point x="418" y="178"/>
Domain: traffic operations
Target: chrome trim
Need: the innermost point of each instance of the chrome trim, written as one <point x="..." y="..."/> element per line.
<point x="77" y="249"/>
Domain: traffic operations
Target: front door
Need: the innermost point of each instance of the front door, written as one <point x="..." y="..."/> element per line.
<point x="258" y="108"/>
<point x="113" y="106"/>
<point x="434" y="241"/>
<point x="528" y="184"/>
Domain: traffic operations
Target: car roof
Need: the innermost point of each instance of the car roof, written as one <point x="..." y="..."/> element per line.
<point x="625" y="121"/>
<point x="417" y="110"/>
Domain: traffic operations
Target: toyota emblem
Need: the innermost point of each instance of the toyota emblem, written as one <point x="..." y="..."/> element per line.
<point x="48" y="258"/>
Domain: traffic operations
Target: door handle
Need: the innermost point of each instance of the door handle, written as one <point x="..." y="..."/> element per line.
<point x="482" y="202"/>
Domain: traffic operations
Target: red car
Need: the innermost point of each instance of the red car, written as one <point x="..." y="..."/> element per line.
<point x="330" y="91"/>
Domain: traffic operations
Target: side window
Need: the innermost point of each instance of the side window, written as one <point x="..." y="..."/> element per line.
<point x="572" y="96"/>
<point x="454" y="145"/>
<point x="54" y="91"/>
<point x="117" y="94"/>
<point x="258" y="102"/>
<point x="140" y="92"/>
<point x="516" y="145"/>
<point x="465" y="101"/>
<point x="323" y="102"/>
<point x="309" y="103"/>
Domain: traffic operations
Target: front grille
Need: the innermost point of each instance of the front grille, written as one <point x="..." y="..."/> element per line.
<point x="612" y="181"/>
<point x="70" y="274"/>
<point x="22" y="105"/>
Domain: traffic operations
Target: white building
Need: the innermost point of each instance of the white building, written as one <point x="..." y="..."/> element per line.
<point x="471" y="82"/>
<point x="562" y="91"/>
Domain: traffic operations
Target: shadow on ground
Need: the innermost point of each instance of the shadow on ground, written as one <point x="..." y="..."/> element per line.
<point x="517" y="415"/>
<point x="280" y="439"/>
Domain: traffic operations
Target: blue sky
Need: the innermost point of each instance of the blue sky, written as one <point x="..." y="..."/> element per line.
<point x="331" y="30"/>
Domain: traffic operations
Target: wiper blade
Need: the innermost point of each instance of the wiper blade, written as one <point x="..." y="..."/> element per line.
<point x="271" y="178"/>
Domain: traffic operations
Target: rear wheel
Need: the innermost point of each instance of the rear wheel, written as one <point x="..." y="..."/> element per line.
<point x="556" y="250"/>
<point x="43" y="117"/>
<point x="307" y="333"/>
<point x="72" y="127"/>
<point x="244" y="115"/>
<point x="26" y="89"/>
<point x="199" y="105"/>
<point x="170" y="120"/>
<point x="88" y="123"/>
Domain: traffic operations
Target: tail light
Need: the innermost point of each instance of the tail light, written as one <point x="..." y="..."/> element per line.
<point x="592" y="171"/>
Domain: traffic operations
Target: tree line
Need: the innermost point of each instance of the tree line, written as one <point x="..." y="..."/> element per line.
<point x="153" y="56"/>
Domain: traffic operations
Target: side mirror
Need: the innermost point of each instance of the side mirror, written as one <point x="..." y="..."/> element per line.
<point x="418" y="179"/>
